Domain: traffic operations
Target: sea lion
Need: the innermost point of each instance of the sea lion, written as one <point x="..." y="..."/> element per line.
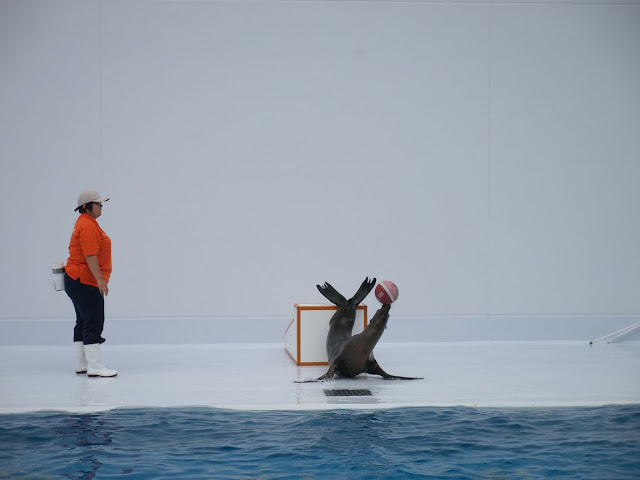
<point x="350" y="355"/>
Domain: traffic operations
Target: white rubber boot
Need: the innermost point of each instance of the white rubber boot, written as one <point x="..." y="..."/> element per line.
<point x="95" y="368"/>
<point x="81" y="360"/>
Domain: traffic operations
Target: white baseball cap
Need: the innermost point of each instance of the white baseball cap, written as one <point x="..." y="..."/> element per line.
<point x="89" y="196"/>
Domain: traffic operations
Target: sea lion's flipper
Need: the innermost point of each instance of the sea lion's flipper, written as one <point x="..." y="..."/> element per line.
<point x="363" y="291"/>
<point x="374" y="369"/>
<point x="327" y="376"/>
<point x="338" y="299"/>
<point x="331" y="294"/>
<point x="330" y="373"/>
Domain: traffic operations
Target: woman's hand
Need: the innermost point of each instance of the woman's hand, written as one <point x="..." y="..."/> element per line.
<point x="103" y="287"/>
<point x="94" y="266"/>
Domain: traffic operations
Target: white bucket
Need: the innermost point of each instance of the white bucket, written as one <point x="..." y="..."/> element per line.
<point x="58" y="276"/>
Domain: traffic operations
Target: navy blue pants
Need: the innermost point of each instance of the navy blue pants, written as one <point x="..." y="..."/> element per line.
<point x="89" y="305"/>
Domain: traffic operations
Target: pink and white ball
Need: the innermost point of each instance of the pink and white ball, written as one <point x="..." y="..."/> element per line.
<point x="386" y="292"/>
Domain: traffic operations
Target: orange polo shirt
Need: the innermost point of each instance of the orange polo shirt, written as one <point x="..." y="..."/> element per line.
<point x="88" y="239"/>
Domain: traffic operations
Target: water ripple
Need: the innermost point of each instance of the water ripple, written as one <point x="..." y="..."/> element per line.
<point x="417" y="443"/>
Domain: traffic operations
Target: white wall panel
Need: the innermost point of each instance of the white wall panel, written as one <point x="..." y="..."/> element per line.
<point x="278" y="145"/>
<point x="565" y="163"/>
<point x="49" y="142"/>
<point x="483" y="156"/>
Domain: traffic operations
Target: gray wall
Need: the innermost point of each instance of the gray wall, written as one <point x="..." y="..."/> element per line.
<point x="484" y="156"/>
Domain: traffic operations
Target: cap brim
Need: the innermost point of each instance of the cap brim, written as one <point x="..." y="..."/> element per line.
<point x="98" y="200"/>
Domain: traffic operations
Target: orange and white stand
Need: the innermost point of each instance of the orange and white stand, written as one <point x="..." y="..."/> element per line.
<point x="305" y="338"/>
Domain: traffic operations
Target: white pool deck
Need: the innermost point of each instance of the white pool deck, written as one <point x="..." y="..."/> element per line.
<point x="258" y="376"/>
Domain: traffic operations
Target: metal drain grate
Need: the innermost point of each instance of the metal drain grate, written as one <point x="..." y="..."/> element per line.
<point x="348" y="393"/>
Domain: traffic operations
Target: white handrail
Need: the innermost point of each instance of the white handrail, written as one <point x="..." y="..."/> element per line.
<point x="612" y="336"/>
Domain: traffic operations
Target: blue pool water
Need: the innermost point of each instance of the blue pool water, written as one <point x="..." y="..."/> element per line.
<point x="421" y="443"/>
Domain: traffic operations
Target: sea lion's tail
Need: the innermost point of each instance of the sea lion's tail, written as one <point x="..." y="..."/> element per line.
<point x="331" y="294"/>
<point x="363" y="291"/>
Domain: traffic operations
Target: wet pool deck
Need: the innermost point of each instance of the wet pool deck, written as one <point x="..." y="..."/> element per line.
<point x="261" y="377"/>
